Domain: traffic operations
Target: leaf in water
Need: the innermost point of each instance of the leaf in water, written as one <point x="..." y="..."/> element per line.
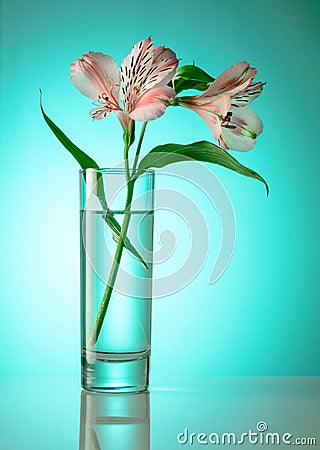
<point x="205" y="151"/>
<point x="116" y="229"/>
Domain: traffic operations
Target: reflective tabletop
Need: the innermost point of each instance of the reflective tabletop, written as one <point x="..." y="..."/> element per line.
<point x="53" y="413"/>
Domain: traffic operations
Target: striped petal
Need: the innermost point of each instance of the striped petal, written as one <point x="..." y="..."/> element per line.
<point x="164" y="65"/>
<point x="143" y="69"/>
<point x="100" y="112"/>
<point x="248" y="95"/>
<point x="233" y="80"/>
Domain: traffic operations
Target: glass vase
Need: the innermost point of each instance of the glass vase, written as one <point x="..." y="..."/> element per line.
<point x="116" y="292"/>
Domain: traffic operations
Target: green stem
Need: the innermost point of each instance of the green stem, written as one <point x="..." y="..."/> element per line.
<point x="136" y="158"/>
<point x="114" y="269"/>
<point x="124" y="229"/>
<point x="126" y="163"/>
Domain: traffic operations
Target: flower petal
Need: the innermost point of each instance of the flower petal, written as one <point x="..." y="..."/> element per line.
<point x="96" y="75"/>
<point x="81" y="81"/>
<point x="212" y="116"/>
<point x="124" y="119"/>
<point x="152" y="104"/>
<point x="134" y="67"/>
<point x="233" y="80"/>
<point x="248" y="95"/>
<point x="100" y="112"/>
<point x="144" y="68"/>
<point x="163" y="66"/>
<point x="210" y="109"/>
<point x="242" y="130"/>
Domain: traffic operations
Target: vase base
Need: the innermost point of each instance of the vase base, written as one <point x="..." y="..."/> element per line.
<point x="118" y="373"/>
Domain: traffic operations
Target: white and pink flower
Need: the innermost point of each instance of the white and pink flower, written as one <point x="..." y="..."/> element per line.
<point x="223" y="106"/>
<point x="140" y="83"/>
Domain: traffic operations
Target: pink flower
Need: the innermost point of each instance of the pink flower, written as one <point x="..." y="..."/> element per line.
<point x="140" y="83"/>
<point x="223" y="107"/>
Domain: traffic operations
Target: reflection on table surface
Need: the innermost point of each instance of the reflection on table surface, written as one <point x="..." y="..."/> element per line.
<point x="115" y="421"/>
<point x="51" y="413"/>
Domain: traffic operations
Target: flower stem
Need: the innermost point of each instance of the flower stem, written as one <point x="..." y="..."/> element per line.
<point x="136" y="158"/>
<point x="120" y="245"/>
<point x="126" y="163"/>
<point x="114" y="269"/>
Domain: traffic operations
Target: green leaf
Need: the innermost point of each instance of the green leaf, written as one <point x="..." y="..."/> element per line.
<point x="86" y="162"/>
<point x="192" y="72"/>
<point x="191" y="77"/>
<point x="181" y="84"/>
<point x="205" y="151"/>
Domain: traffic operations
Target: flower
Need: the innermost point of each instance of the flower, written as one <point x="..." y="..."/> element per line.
<point x="140" y="83"/>
<point x="223" y="107"/>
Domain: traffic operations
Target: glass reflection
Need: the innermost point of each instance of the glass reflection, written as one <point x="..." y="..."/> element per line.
<point x="114" y="421"/>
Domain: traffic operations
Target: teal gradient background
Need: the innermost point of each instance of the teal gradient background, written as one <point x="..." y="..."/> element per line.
<point x="262" y="316"/>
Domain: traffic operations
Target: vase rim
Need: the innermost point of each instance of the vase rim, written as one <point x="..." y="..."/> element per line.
<point x="113" y="170"/>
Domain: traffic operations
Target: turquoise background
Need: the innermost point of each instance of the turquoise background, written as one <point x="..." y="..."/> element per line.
<point x="262" y="316"/>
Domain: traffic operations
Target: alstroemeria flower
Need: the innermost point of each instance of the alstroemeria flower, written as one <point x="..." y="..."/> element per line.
<point x="140" y="83"/>
<point x="223" y="107"/>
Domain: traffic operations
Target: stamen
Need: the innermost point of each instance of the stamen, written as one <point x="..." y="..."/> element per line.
<point x="226" y="120"/>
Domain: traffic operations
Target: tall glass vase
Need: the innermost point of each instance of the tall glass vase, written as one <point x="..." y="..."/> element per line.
<point x="116" y="280"/>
